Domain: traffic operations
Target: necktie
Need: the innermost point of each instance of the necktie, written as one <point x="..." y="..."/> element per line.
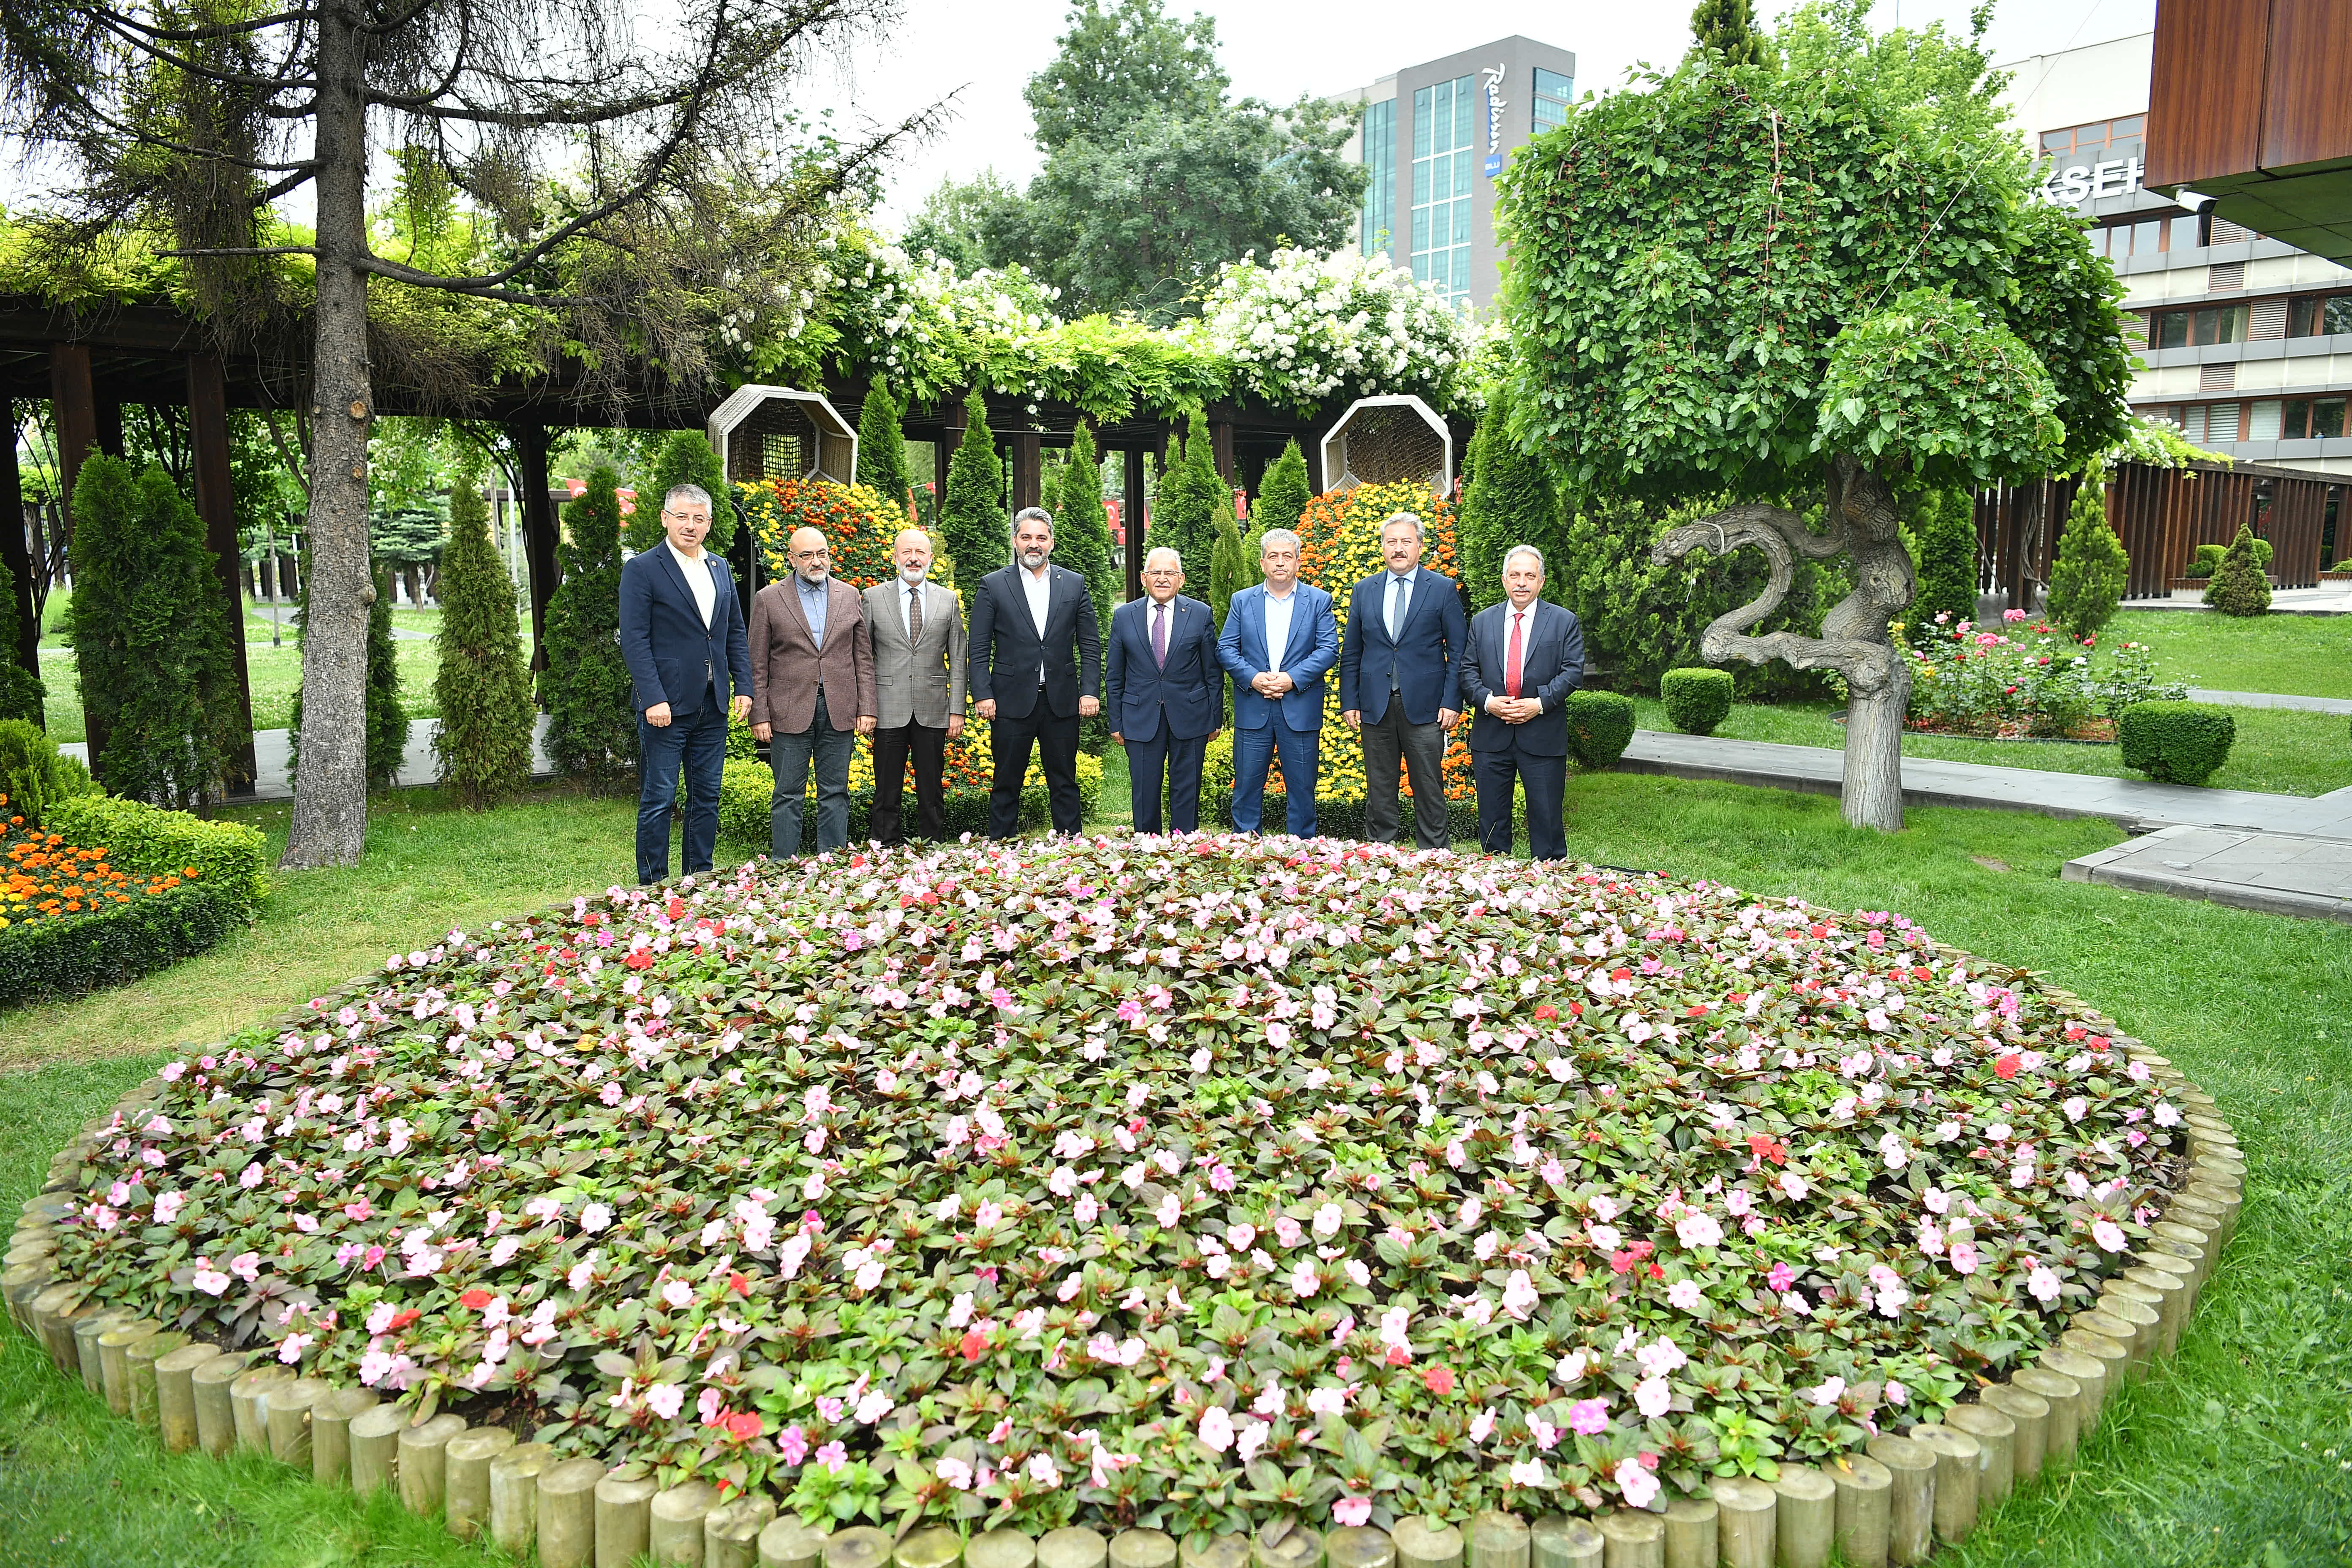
<point x="1400" y="593"/>
<point x="1511" y="658"/>
<point x="914" y="616"/>
<point x="1159" y="634"/>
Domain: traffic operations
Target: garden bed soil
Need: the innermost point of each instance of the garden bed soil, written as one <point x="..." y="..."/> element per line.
<point x="2096" y="733"/>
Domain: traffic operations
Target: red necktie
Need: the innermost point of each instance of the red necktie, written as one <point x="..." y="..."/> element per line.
<point x="1511" y="658"/>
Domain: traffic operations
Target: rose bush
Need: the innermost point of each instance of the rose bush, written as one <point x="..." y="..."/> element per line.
<point x="2018" y="681"/>
<point x="1154" y="1182"/>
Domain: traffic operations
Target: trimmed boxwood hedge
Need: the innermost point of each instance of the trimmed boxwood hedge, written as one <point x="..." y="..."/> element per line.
<point x="2177" y="743"/>
<point x="228" y="857"/>
<point x="1600" y="727"/>
<point x="1697" y="700"/>
<point x="1344" y="818"/>
<point x="747" y="785"/>
<point x="49" y="960"/>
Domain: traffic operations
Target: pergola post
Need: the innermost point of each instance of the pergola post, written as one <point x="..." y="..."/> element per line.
<point x="1132" y="496"/>
<point x="216" y="504"/>
<point x="73" y="397"/>
<point x="1028" y="469"/>
<point x="15" y="553"/>
<point x="538" y="531"/>
<point x="1221" y="445"/>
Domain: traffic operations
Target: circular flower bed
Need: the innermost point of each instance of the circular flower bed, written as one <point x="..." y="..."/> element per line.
<point x="1154" y="1182"/>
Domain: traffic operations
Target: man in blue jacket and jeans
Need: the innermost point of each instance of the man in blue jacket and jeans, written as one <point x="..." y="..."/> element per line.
<point x="1280" y="642"/>
<point x="689" y="663"/>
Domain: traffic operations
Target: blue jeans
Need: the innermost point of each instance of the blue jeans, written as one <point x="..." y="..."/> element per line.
<point x="1252" y="750"/>
<point x="829" y="749"/>
<point x="696" y="742"/>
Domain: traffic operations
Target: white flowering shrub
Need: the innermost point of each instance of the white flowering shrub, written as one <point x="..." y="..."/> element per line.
<point x="1301" y="327"/>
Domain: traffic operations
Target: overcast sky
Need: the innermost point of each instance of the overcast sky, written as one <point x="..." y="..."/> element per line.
<point x="1278" y="49"/>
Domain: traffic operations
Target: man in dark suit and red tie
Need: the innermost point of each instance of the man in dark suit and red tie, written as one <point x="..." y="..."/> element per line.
<point x="1166" y="695"/>
<point x="1398" y="682"/>
<point x="1035" y="660"/>
<point x="1280" y="642"/>
<point x="1524" y="657"/>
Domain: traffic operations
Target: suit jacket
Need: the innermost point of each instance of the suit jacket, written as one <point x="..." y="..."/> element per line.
<point x="1006" y="651"/>
<point x="1422" y="656"/>
<point x="1189" y="688"/>
<point x="672" y="656"/>
<point x="921" y="683"/>
<point x="1313" y="649"/>
<point x="1551" y="665"/>
<point x="791" y="667"/>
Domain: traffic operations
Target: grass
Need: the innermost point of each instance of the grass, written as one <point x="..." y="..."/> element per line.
<point x="2278" y="751"/>
<point x="2297" y="656"/>
<point x="2237" y="1457"/>
<point x="276" y="673"/>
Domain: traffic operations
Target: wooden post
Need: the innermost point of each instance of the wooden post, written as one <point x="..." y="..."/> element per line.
<point x="15" y="553"/>
<point x="216" y="504"/>
<point x="1028" y="469"/>
<point x="1132" y="506"/>
<point x="538" y="531"/>
<point x="1221" y="446"/>
<point x="73" y="403"/>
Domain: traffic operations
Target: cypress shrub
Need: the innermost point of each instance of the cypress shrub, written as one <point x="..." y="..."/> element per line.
<point x="482" y="687"/>
<point x="1186" y="505"/>
<point x="592" y="733"/>
<point x="1282" y="495"/>
<point x="1944" y="523"/>
<point x="22" y="695"/>
<point x="2086" y="584"/>
<point x="1697" y="700"/>
<point x="2239" y="587"/>
<point x="972" y="519"/>
<point x="1082" y="540"/>
<point x="684" y="458"/>
<point x="34" y="775"/>
<point x="2177" y="743"/>
<point x="882" y="446"/>
<point x="1600" y="727"/>
<point x="150" y="634"/>
<point x="387" y="721"/>
<point x="1510" y="500"/>
<point x="1230" y="568"/>
<point x="1728" y="27"/>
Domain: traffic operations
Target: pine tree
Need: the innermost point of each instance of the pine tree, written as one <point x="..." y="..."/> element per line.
<point x="2087" y="583"/>
<point x="1728" y="27"/>
<point x="1082" y="540"/>
<point x="685" y="458"/>
<point x="21" y="692"/>
<point x="592" y="736"/>
<point x="1944" y="523"/>
<point x="151" y="628"/>
<point x="972" y="519"/>
<point x="482" y="687"/>
<point x="2240" y="585"/>
<point x="1186" y="503"/>
<point x="387" y="722"/>
<point x="1231" y="568"/>
<point x="1510" y="500"/>
<point x="882" y="446"/>
<point x="1281" y="494"/>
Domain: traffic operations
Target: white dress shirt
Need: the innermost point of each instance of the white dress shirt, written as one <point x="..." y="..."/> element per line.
<point x="698" y="580"/>
<point x="1399" y="606"/>
<point x="1277" y="626"/>
<point x="1038" y="587"/>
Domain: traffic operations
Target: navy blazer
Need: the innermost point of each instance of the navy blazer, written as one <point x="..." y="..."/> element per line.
<point x="1189" y="687"/>
<point x="1423" y="656"/>
<point x="1314" y="649"/>
<point x="672" y="656"/>
<point x="1004" y="652"/>
<point x="1551" y="665"/>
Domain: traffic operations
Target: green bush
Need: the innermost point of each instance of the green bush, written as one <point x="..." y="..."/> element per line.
<point x="2086" y="585"/>
<point x="1082" y="540"/>
<point x="1509" y="501"/>
<point x="2239" y="587"/>
<point x="972" y="519"/>
<point x="593" y="733"/>
<point x="33" y="776"/>
<point x="388" y="720"/>
<point x="230" y="857"/>
<point x="1281" y="494"/>
<point x="481" y="684"/>
<point x="1186" y="505"/>
<point x="882" y="444"/>
<point x="48" y="960"/>
<point x="2177" y="743"/>
<point x="1600" y="727"/>
<point x="1341" y="819"/>
<point x="685" y="458"/>
<point x="747" y="787"/>
<point x="21" y="696"/>
<point x="1944" y="523"/>
<point x="2208" y="557"/>
<point x="1697" y="700"/>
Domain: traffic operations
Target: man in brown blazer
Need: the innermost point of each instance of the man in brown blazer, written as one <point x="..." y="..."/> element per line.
<point x="813" y="686"/>
<point x="919" y="647"/>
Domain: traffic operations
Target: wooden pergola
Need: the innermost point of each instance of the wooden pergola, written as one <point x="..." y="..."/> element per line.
<point x="90" y="363"/>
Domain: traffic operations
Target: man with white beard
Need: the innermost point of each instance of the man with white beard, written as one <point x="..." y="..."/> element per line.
<point x="919" y="647"/>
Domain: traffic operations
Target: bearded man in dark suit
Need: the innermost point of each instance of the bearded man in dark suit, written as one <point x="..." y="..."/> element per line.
<point x="1035" y="660"/>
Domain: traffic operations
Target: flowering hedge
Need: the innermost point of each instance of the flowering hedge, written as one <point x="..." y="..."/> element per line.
<point x="1153" y="1184"/>
<point x="858" y="525"/>
<point x="2021" y="681"/>
<point x="1303" y="327"/>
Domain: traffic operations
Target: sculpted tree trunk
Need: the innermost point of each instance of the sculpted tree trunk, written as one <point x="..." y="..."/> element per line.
<point x="1854" y="641"/>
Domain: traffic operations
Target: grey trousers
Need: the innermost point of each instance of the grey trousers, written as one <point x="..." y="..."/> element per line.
<point x="1422" y="749"/>
<point x="829" y="749"/>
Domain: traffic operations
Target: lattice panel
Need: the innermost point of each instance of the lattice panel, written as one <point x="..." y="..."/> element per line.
<point x="1381" y="446"/>
<point x="775" y="442"/>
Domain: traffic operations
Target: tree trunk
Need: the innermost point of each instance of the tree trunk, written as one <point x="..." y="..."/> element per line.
<point x="329" y="825"/>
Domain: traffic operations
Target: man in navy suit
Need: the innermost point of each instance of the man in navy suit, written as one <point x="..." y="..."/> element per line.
<point x="1397" y="677"/>
<point x="1035" y="660"/>
<point x="1165" y="695"/>
<point x="1523" y="658"/>
<point x="1279" y="641"/>
<point x="689" y="663"/>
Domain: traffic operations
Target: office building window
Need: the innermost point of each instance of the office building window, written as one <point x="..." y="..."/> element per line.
<point x="2147" y="236"/>
<point x="1380" y="191"/>
<point x="2196" y="328"/>
<point x="2313" y="419"/>
<point x="1444" y="121"/>
<point x="2319" y="315"/>
<point x="1553" y="94"/>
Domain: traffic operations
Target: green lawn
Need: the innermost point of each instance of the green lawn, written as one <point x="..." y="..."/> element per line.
<point x="2238" y="1458"/>
<point x="2299" y="656"/>
<point x="2277" y="750"/>
<point x="276" y="673"/>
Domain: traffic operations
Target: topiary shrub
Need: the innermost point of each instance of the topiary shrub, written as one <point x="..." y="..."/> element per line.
<point x="2086" y="584"/>
<point x="592" y="731"/>
<point x="228" y="857"/>
<point x="2208" y="557"/>
<point x="1943" y="524"/>
<point x="2239" y="587"/>
<point x="34" y="775"/>
<point x="1600" y="727"/>
<point x="1082" y="540"/>
<point x="882" y="449"/>
<point x="1281" y="494"/>
<point x="481" y="685"/>
<point x="1697" y="700"/>
<point x="685" y="458"/>
<point x="54" y="959"/>
<point x="387" y="719"/>
<point x="972" y="519"/>
<point x="1186" y="505"/>
<point x="1510" y="500"/>
<point x="2177" y="743"/>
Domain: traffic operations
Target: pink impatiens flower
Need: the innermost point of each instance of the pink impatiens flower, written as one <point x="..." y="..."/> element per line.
<point x="1216" y="1430"/>
<point x="1640" y="1486"/>
<point x="1352" y="1511"/>
<point x="1588" y="1418"/>
<point x="2109" y="1234"/>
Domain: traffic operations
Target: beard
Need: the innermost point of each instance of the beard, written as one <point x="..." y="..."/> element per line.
<point x="1033" y="559"/>
<point x="913" y="575"/>
<point x="815" y="576"/>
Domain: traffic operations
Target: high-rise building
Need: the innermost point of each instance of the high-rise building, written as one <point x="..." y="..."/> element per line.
<point x="2244" y="341"/>
<point x="1433" y="137"/>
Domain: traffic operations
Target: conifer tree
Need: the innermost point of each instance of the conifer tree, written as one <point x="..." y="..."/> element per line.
<point x="593" y="733"/>
<point x="21" y="692"/>
<point x="2240" y="585"/>
<point x="1082" y="540"/>
<point x="882" y="446"/>
<point x="684" y="458"/>
<point x="1510" y="500"/>
<point x="1186" y="505"/>
<point x="1231" y="568"/>
<point x="1728" y="27"/>
<point x="2086" y="584"/>
<point x="1944" y="523"/>
<point x="972" y="519"/>
<point x="387" y="721"/>
<point x="1282" y="496"/>
<point x="481" y="686"/>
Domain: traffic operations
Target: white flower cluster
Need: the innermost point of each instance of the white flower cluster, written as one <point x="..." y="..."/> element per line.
<point x="1302" y="326"/>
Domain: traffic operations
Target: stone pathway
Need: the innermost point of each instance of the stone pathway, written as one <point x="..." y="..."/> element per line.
<point x="2279" y="873"/>
<point x="2272" y="700"/>
<point x="417" y="764"/>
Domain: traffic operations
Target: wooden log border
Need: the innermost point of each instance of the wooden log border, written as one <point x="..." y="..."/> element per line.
<point x="2071" y="1379"/>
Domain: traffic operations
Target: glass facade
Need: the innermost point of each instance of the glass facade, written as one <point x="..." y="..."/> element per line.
<point x="1553" y="94"/>
<point x="1379" y="236"/>
<point x="1444" y="138"/>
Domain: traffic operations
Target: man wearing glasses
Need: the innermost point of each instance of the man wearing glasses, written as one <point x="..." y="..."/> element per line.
<point x="815" y="690"/>
<point x="682" y="637"/>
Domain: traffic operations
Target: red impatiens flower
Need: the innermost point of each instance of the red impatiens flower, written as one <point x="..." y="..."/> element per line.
<point x="1546" y="1012"/>
<point x="743" y="1425"/>
<point x="1438" y="1380"/>
<point x="1766" y="1147"/>
<point x="2006" y="1066"/>
<point x="640" y="958"/>
<point x="476" y="1299"/>
<point x="973" y="1344"/>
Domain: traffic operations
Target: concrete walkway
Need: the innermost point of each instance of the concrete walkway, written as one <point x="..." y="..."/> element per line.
<point x="417" y="764"/>
<point x="2272" y="700"/>
<point x="2278" y="873"/>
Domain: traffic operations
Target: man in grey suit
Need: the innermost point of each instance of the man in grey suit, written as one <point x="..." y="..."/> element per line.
<point x="919" y="645"/>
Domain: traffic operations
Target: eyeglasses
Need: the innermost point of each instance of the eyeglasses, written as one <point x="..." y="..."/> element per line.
<point x="810" y="554"/>
<point x="668" y="516"/>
